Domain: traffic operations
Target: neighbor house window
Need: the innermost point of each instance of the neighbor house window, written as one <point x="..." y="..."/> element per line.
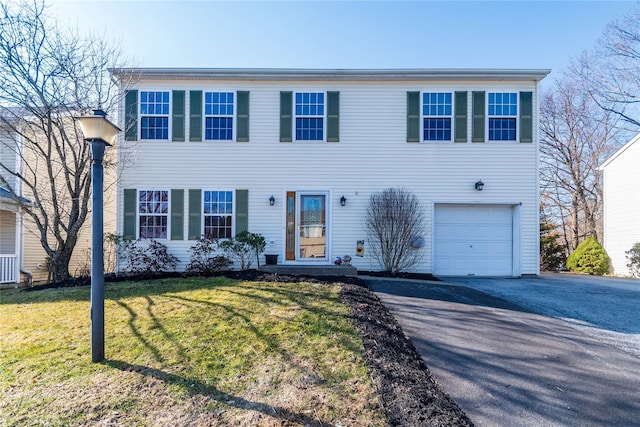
<point x="503" y="111"/>
<point x="154" y="115"/>
<point x="436" y="113"/>
<point x="218" y="111"/>
<point x="309" y="112"/>
<point x="218" y="213"/>
<point x="153" y="213"/>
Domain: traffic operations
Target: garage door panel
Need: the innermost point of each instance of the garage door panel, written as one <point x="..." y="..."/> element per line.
<point x="473" y="240"/>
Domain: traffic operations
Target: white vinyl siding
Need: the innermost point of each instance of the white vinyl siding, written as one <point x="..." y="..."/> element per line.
<point x="622" y="204"/>
<point x="372" y="155"/>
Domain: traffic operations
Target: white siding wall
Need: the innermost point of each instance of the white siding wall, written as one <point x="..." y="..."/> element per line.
<point x="372" y="155"/>
<point x="622" y="204"/>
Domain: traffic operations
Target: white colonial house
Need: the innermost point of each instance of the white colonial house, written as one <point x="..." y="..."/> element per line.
<point x="621" y="184"/>
<point x="296" y="154"/>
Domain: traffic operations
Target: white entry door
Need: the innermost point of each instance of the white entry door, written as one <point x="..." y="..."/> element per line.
<point x="473" y="240"/>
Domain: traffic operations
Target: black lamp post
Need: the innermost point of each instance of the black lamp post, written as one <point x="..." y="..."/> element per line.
<point x="101" y="133"/>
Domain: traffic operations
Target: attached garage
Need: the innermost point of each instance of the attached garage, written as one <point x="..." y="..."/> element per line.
<point x="474" y="240"/>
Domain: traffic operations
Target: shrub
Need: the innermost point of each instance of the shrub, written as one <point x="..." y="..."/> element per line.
<point x="394" y="222"/>
<point x="552" y="252"/>
<point x="589" y="257"/>
<point x="243" y="247"/>
<point x="203" y="259"/>
<point x="150" y="257"/>
<point x="633" y="256"/>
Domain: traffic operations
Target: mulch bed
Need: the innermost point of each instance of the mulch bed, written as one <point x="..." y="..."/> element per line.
<point x="409" y="394"/>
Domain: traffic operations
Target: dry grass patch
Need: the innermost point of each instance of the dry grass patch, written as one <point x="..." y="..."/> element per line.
<point x="185" y="352"/>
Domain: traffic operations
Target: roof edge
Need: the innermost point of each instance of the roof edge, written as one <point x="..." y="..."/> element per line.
<point x="332" y="74"/>
<point x="620" y="150"/>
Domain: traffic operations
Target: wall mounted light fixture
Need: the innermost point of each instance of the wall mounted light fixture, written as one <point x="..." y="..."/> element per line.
<point x="479" y="185"/>
<point x="343" y="201"/>
<point x="272" y="200"/>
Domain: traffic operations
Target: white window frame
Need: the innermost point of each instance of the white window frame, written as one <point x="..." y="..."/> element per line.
<point x="450" y="117"/>
<point x="323" y="116"/>
<point x="168" y="115"/>
<point x="516" y="117"/>
<point x="139" y="214"/>
<point x="232" y="215"/>
<point x="205" y="115"/>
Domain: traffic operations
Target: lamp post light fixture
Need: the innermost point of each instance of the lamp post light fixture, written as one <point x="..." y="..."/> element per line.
<point x="100" y="133"/>
<point x="343" y="201"/>
<point x="272" y="200"/>
<point x="479" y="185"/>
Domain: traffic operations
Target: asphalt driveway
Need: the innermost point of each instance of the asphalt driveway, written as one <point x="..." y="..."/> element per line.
<point x="548" y="351"/>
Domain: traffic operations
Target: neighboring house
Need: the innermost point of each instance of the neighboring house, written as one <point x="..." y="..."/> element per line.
<point x="621" y="176"/>
<point x="296" y="154"/>
<point x="10" y="218"/>
<point x="22" y="258"/>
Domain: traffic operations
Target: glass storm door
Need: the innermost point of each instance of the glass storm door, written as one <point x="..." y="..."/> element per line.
<point x="306" y="231"/>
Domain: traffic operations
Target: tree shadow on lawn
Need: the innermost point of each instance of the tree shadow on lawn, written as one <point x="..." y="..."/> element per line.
<point x="196" y="387"/>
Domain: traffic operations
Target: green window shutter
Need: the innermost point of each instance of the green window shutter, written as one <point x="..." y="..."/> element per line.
<point x="333" y="116"/>
<point x="131" y="115"/>
<point x="129" y="211"/>
<point x="242" y="211"/>
<point x="242" y="119"/>
<point x="413" y="116"/>
<point x="195" y="115"/>
<point x="286" y="117"/>
<point x="195" y="211"/>
<point x="526" y="116"/>
<point x="178" y="116"/>
<point x="460" y="120"/>
<point x="478" y="123"/>
<point x="177" y="214"/>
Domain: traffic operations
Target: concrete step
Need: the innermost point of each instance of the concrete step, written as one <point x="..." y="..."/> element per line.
<point x="311" y="270"/>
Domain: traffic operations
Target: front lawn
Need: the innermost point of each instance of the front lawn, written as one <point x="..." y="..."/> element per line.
<point x="192" y="351"/>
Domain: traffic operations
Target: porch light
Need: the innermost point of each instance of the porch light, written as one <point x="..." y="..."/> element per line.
<point x="272" y="200"/>
<point x="479" y="185"/>
<point x="343" y="201"/>
<point x="100" y="133"/>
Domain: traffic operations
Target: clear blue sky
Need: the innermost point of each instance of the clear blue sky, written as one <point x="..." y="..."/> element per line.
<point x="356" y="34"/>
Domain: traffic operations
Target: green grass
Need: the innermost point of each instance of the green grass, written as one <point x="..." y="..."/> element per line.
<point x="184" y="352"/>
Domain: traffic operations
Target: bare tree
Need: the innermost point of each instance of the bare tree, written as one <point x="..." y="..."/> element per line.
<point x="611" y="71"/>
<point x="394" y="223"/>
<point x="576" y="137"/>
<point x="48" y="75"/>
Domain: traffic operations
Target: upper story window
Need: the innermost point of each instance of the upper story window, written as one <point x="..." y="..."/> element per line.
<point x="309" y="112"/>
<point x="154" y="115"/>
<point x="503" y="112"/>
<point x="218" y="111"/>
<point x="218" y="213"/>
<point x="153" y="213"/>
<point x="436" y="112"/>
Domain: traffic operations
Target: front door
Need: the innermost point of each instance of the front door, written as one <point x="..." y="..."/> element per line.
<point x="306" y="226"/>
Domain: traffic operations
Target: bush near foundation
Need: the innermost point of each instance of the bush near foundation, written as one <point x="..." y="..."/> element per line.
<point x="589" y="257"/>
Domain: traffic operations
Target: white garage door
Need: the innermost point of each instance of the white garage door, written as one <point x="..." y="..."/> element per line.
<point x="473" y="240"/>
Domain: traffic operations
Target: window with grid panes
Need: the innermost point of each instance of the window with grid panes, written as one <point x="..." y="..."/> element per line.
<point x="502" y="114"/>
<point x="153" y="213"/>
<point x="218" y="214"/>
<point x="309" y="112"/>
<point x="436" y="113"/>
<point x="218" y="111"/>
<point x="154" y="115"/>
